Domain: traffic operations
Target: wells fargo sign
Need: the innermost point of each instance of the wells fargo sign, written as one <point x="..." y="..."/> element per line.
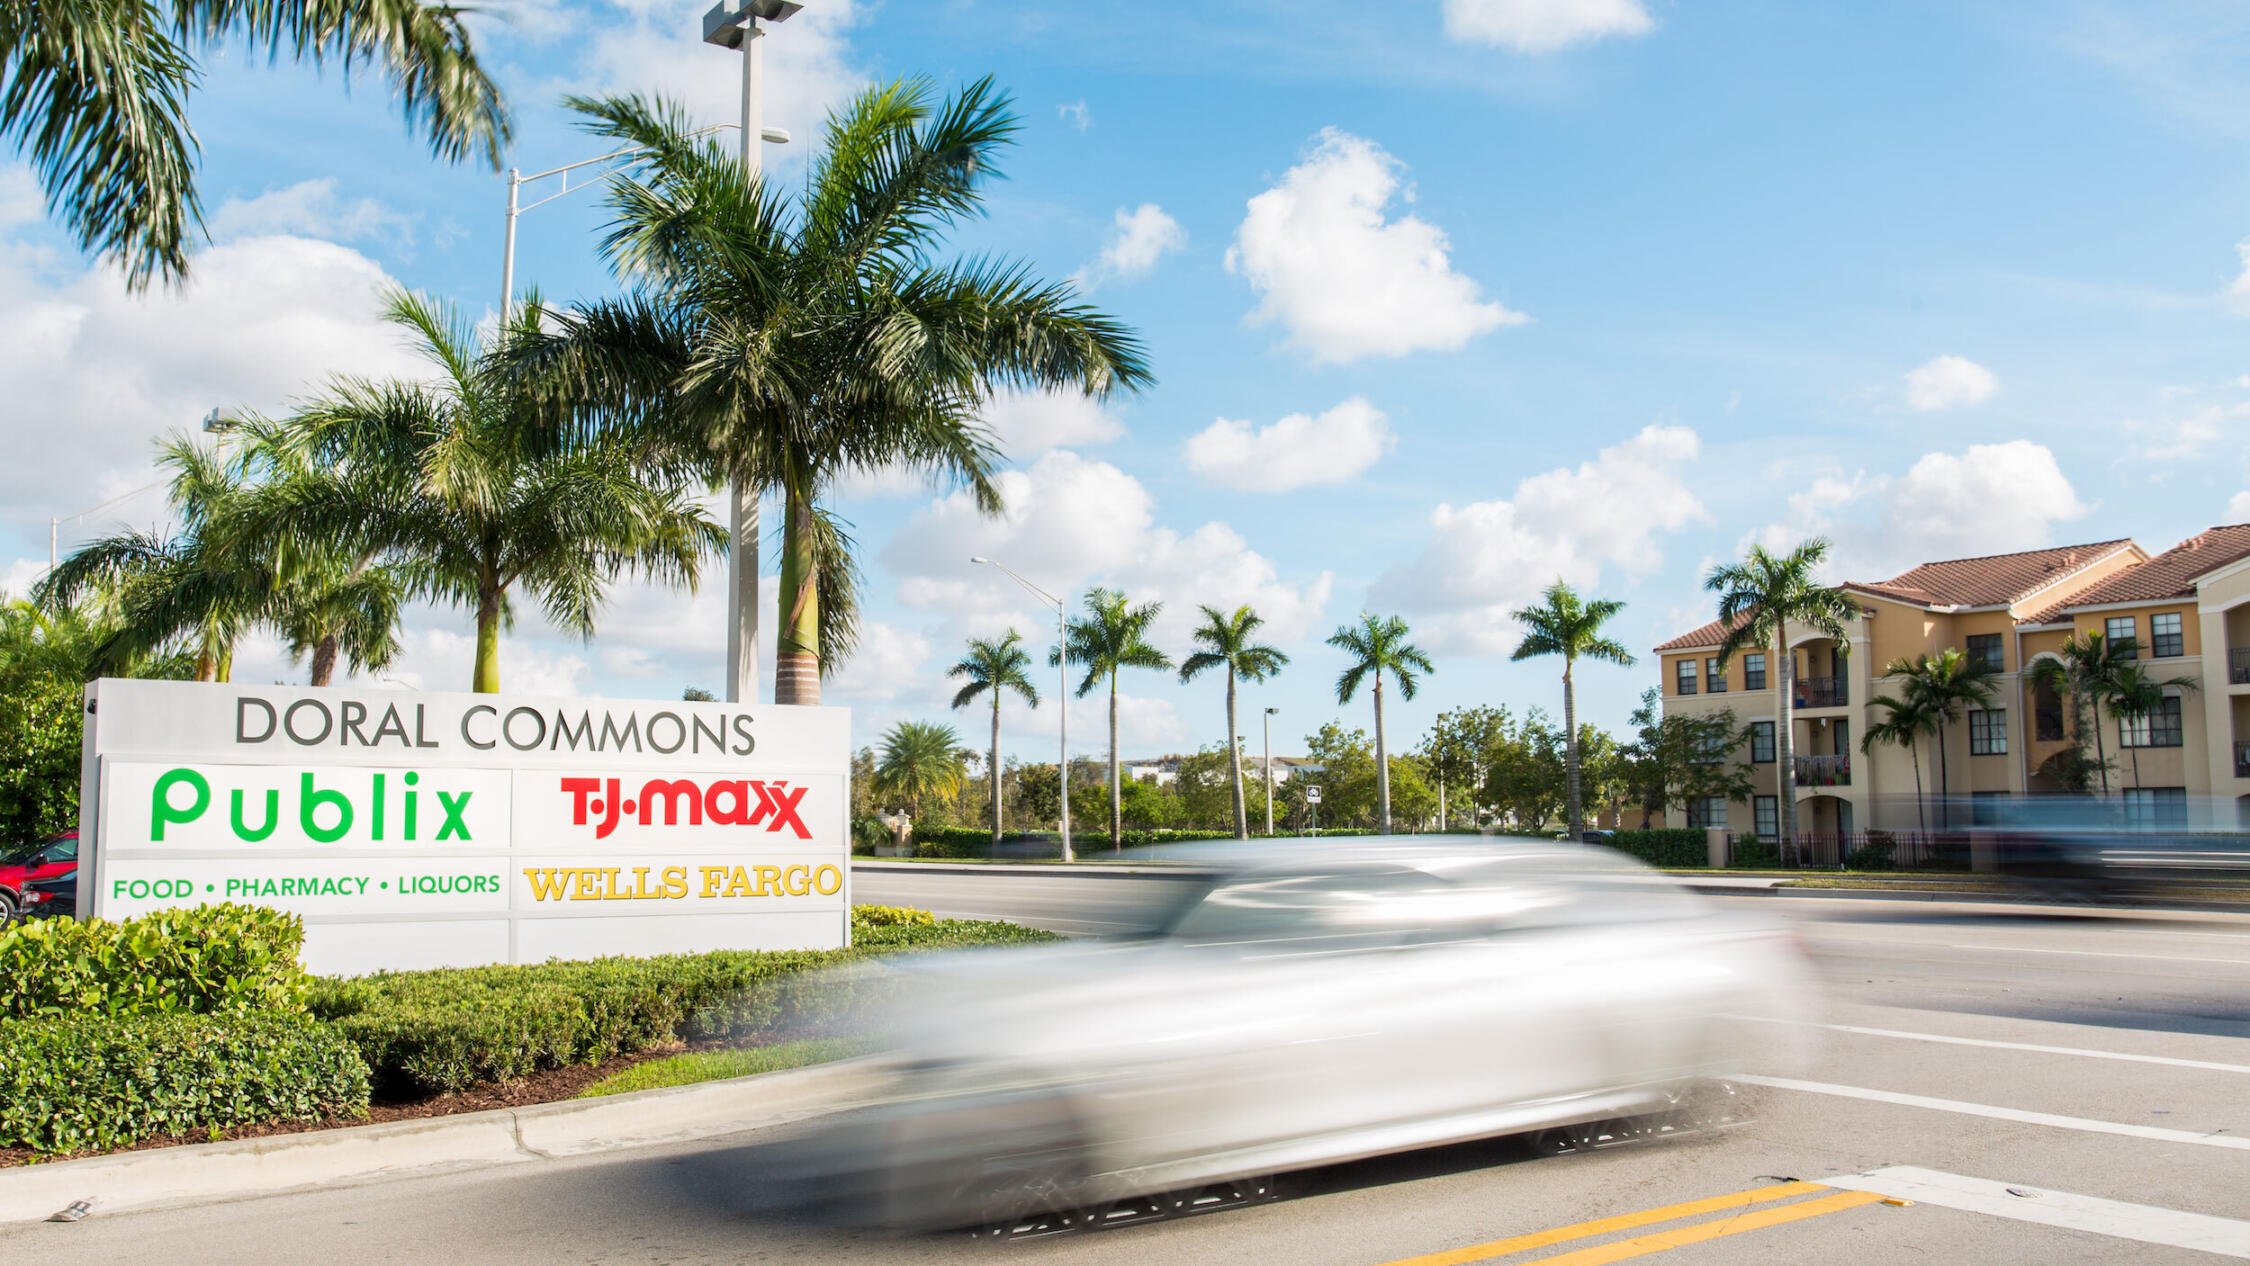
<point x="415" y="830"/>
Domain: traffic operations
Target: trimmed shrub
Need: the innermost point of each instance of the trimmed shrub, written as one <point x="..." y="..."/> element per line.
<point x="1880" y="852"/>
<point x="1751" y="853"/>
<point x="201" y="959"/>
<point x="1670" y="847"/>
<point x="952" y="841"/>
<point x="94" y="1082"/>
<point x="865" y="917"/>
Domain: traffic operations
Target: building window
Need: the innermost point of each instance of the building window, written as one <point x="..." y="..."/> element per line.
<point x="2122" y="641"/>
<point x="1766" y="817"/>
<point x="1686" y="678"/>
<point x="1711" y="749"/>
<point x="1761" y="742"/>
<point x="2047" y="712"/>
<point x="1711" y="811"/>
<point x="1984" y="648"/>
<point x="2156" y="806"/>
<point x="1988" y="732"/>
<point x="2160" y="728"/>
<point x="2164" y="640"/>
<point x="1754" y="670"/>
<point x="1715" y="676"/>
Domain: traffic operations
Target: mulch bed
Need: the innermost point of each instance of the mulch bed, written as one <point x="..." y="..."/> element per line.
<point x="544" y="1087"/>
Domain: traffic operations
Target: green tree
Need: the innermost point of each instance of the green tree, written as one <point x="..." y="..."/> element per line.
<point x="1346" y="775"/>
<point x="995" y="665"/>
<point x="2134" y="694"/>
<point x="920" y="761"/>
<point x="1940" y="686"/>
<point x="1229" y="641"/>
<point x="2084" y="670"/>
<point x="476" y="498"/>
<point x="1453" y="752"/>
<point x="1110" y="637"/>
<point x="1568" y="625"/>
<point x="95" y="95"/>
<point x="1682" y="758"/>
<point x="780" y="343"/>
<point x="1906" y="720"/>
<point x="1759" y="598"/>
<point x="1378" y="645"/>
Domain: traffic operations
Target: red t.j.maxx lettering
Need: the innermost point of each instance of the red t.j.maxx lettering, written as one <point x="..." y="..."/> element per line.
<point x="682" y="801"/>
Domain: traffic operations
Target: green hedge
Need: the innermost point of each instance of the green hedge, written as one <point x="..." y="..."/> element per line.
<point x="203" y="959"/>
<point x="429" y="1032"/>
<point x="1670" y="847"/>
<point x="94" y="1081"/>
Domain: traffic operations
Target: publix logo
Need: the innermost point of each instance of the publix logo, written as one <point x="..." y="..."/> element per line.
<point x="605" y="802"/>
<point x="381" y="807"/>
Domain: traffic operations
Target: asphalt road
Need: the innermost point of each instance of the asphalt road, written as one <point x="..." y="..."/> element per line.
<point x="2051" y="1087"/>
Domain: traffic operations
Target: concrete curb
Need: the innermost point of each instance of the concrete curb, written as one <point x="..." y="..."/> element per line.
<point x="205" y="1173"/>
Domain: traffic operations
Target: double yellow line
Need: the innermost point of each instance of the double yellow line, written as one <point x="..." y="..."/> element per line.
<point x="1656" y="1242"/>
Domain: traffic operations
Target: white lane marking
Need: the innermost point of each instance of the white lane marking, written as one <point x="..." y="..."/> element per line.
<point x="2083" y="1124"/>
<point x="2147" y="1223"/>
<point x="2168" y="1060"/>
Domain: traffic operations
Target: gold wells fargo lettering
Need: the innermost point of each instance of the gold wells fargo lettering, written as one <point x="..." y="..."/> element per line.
<point x="671" y="883"/>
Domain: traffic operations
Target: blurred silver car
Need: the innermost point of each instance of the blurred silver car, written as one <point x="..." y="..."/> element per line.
<point x="1299" y="1004"/>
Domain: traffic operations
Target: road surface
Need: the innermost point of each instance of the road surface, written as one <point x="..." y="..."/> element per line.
<point x="2041" y="1086"/>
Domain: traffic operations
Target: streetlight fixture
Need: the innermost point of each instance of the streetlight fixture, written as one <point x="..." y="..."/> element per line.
<point x="733" y="26"/>
<point x="1062" y="692"/>
<point x="1269" y="769"/>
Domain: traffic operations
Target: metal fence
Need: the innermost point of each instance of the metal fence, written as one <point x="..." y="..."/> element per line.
<point x="1854" y="850"/>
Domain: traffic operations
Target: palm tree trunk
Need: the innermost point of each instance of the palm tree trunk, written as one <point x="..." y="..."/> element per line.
<point x="485" y="677"/>
<point x="1382" y="758"/>
<point x="993" y="767"/>
<point x="2101" y="745"/>
<point x="1570" y="753"/>
<point x="1116" y="784"/>
<point x="796" y="658"/>
<point x="1234" y="765"/>
<point x="206" y="666"/>
<point x="1785" y="737"/>
<point x="324" y="660"/>
<point x="1944" y="781"/>
<point x="1921" y="811"/>
<point x="225" y="665"/>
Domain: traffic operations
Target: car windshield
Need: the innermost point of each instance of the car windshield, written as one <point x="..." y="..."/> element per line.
<point x="55" y="848"/>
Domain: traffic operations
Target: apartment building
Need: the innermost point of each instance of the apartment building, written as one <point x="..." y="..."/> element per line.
<point x="2187" y="608"/>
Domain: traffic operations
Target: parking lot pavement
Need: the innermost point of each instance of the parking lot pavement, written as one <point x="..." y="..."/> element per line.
<point x="2033" y="1087"/>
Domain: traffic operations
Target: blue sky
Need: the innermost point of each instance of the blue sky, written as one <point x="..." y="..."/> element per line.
<point x="1444" y="299"/>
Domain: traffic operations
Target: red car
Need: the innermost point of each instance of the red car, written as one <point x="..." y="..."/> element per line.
<point x="50" y="858"/>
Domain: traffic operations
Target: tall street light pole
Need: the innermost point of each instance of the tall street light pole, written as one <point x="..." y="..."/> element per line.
<point x="729" y="25"/>
<point x="1269" y="769"/>
<point x="1062" y="693"/>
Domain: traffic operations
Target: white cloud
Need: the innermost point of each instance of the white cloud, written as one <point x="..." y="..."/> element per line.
<point x="1343" y="281"/>
<point x="310" y="208"/>
<point x="1485" y="559"/>
<point x="1072" y="522"/>
<point x="1028" y="423"/>
<point x="1948" y="382"/>
<point x="655" y="46"/>
<point x="1296" y="452"/>
<point x="2238" y="508"/>
<point x="2238" y="292"/>
<point x="1076" y="114"/>
<point x="2190" y="436"/>
<point x="1987" y="499"/>
<point x="1543" y="26"/>
<point x="1138" y="238"/>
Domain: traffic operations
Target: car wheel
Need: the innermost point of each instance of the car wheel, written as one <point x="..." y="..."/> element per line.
<point x="1024" y="1198"/>
<point x="8" y="909"/>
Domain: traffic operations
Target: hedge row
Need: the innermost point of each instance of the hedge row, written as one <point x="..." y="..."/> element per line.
<point x="92" y="1082"/>
<point x="206" y="959"/>
<point x="1670" y="847"/>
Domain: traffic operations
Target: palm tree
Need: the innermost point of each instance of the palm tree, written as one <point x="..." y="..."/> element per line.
<point x="1111" y="636"/>
<point x="918" y="759"/>
<point x="2134" y="694"/>
<point x="1377" y="644"/>
<point x="1905" y="721"/>
<point x="1940" y="686"/>
<point x="95" y="95"/>
<point x="778" y="343"/>
<point x="998" y="665"/>
<point x="475" y="499"/>
<point x="1567" y="625"/>
<point x="1227" y="643"/>
<point x="2084" y="669"/>
<point x="1759" y="598"/>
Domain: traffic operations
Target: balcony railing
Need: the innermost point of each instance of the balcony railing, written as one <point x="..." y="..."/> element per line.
<point x="2242" y="760"/>
<point x="1821" y="692"/>
<point x="1824" y="771"/>
<point x="2238" y="666"/>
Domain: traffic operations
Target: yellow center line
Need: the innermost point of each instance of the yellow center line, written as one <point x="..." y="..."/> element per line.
<point x="1604" y="1226"/>
<point x="1714" y="1229"/>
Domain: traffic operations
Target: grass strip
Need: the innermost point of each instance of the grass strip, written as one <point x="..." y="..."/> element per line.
<point x="717" y="1065"/>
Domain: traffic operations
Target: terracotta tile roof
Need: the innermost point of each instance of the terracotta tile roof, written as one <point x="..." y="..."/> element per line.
<point x="1995" y="579"/>
<point x="1709" y="635"/>
<point x="2171" y="574"/>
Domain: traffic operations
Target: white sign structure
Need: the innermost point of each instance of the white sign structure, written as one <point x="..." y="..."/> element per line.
<point x="424" y="830"/>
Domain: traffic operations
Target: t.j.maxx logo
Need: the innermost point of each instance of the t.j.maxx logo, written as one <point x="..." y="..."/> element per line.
<point x="604" y="803"/>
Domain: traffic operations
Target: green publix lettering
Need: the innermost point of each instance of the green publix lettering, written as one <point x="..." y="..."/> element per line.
<point x="324" y="814"/>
